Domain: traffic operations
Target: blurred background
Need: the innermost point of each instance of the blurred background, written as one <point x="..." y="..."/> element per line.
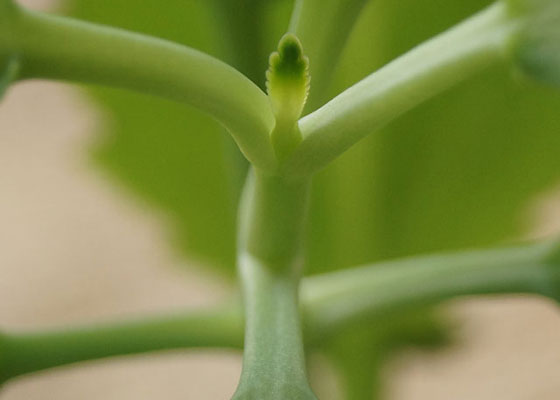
<point x="116" y="205"/>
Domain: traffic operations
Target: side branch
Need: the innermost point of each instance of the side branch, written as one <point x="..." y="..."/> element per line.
<point x="52" y="47"/>
<point x="30" y="352"/>
<point x="336" y="300"/>
<point x="402" y="84"/>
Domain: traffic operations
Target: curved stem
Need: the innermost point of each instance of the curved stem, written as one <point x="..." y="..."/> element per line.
<point x="30" y="352"/>
<point x="402" y="84"/>
<point x="59" y="48"/>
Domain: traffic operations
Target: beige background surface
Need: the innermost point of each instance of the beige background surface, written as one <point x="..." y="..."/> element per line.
<point x="76" y="248"/>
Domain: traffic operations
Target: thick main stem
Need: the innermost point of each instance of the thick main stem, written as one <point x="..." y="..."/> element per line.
<point x="272" y="221"/>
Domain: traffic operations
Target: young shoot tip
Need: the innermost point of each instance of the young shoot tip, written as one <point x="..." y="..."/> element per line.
<point x="289" y="61"/>
<point x="288" y="76"/>
<point x="287" y="83"/>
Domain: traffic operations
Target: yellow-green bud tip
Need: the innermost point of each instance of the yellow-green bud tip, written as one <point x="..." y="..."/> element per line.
<point x="287" y="78"/>
<point x="288" y="62"/>
<point x="287" y="83"/>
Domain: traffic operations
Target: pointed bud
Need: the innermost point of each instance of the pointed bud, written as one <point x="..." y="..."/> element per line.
<point x="536" y="48"/>
<point x="287" y="85"/>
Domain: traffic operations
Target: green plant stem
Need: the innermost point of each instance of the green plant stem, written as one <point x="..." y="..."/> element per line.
<point x="402" y="84"/>
<point x="8" y="73"/>
<point x="331" y="302"/>
<point x="24" y="353"/>
<point x="323" y="27"/>
<point x="272" y="220"/>
<point x="52" y="47"/>
<point x="273" y="359"/>
<point x="336" y="300"/>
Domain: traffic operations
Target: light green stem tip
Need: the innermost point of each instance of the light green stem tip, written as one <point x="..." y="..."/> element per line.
<point x="288" y="86"/>
<point x="288" y="66"/>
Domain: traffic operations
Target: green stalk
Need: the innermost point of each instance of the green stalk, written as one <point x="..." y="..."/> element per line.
<point x="337" y="300"/>
<point x="270" y="260"/>
<point x="52" y="47"/>
<point x="24" y="353"/>
<point x="423" y="72"/>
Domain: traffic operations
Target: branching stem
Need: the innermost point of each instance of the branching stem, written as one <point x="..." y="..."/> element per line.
<point x="402" y="84"/>
<point x="53" y="47"/>
<point x="330" y="302"/>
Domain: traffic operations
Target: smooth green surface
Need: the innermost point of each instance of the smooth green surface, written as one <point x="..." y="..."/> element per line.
<point x="272" y="215"/>
<point x="273" y="356"/>
<point x="272" y="220"/>
<point x="421" y="281"/>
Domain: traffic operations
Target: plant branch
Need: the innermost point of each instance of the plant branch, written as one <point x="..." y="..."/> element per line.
<point x="402" y="84"/>
<point x="24" y="353"/>
<point x="52" y="47"/>
<point x="335" y="300"/>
